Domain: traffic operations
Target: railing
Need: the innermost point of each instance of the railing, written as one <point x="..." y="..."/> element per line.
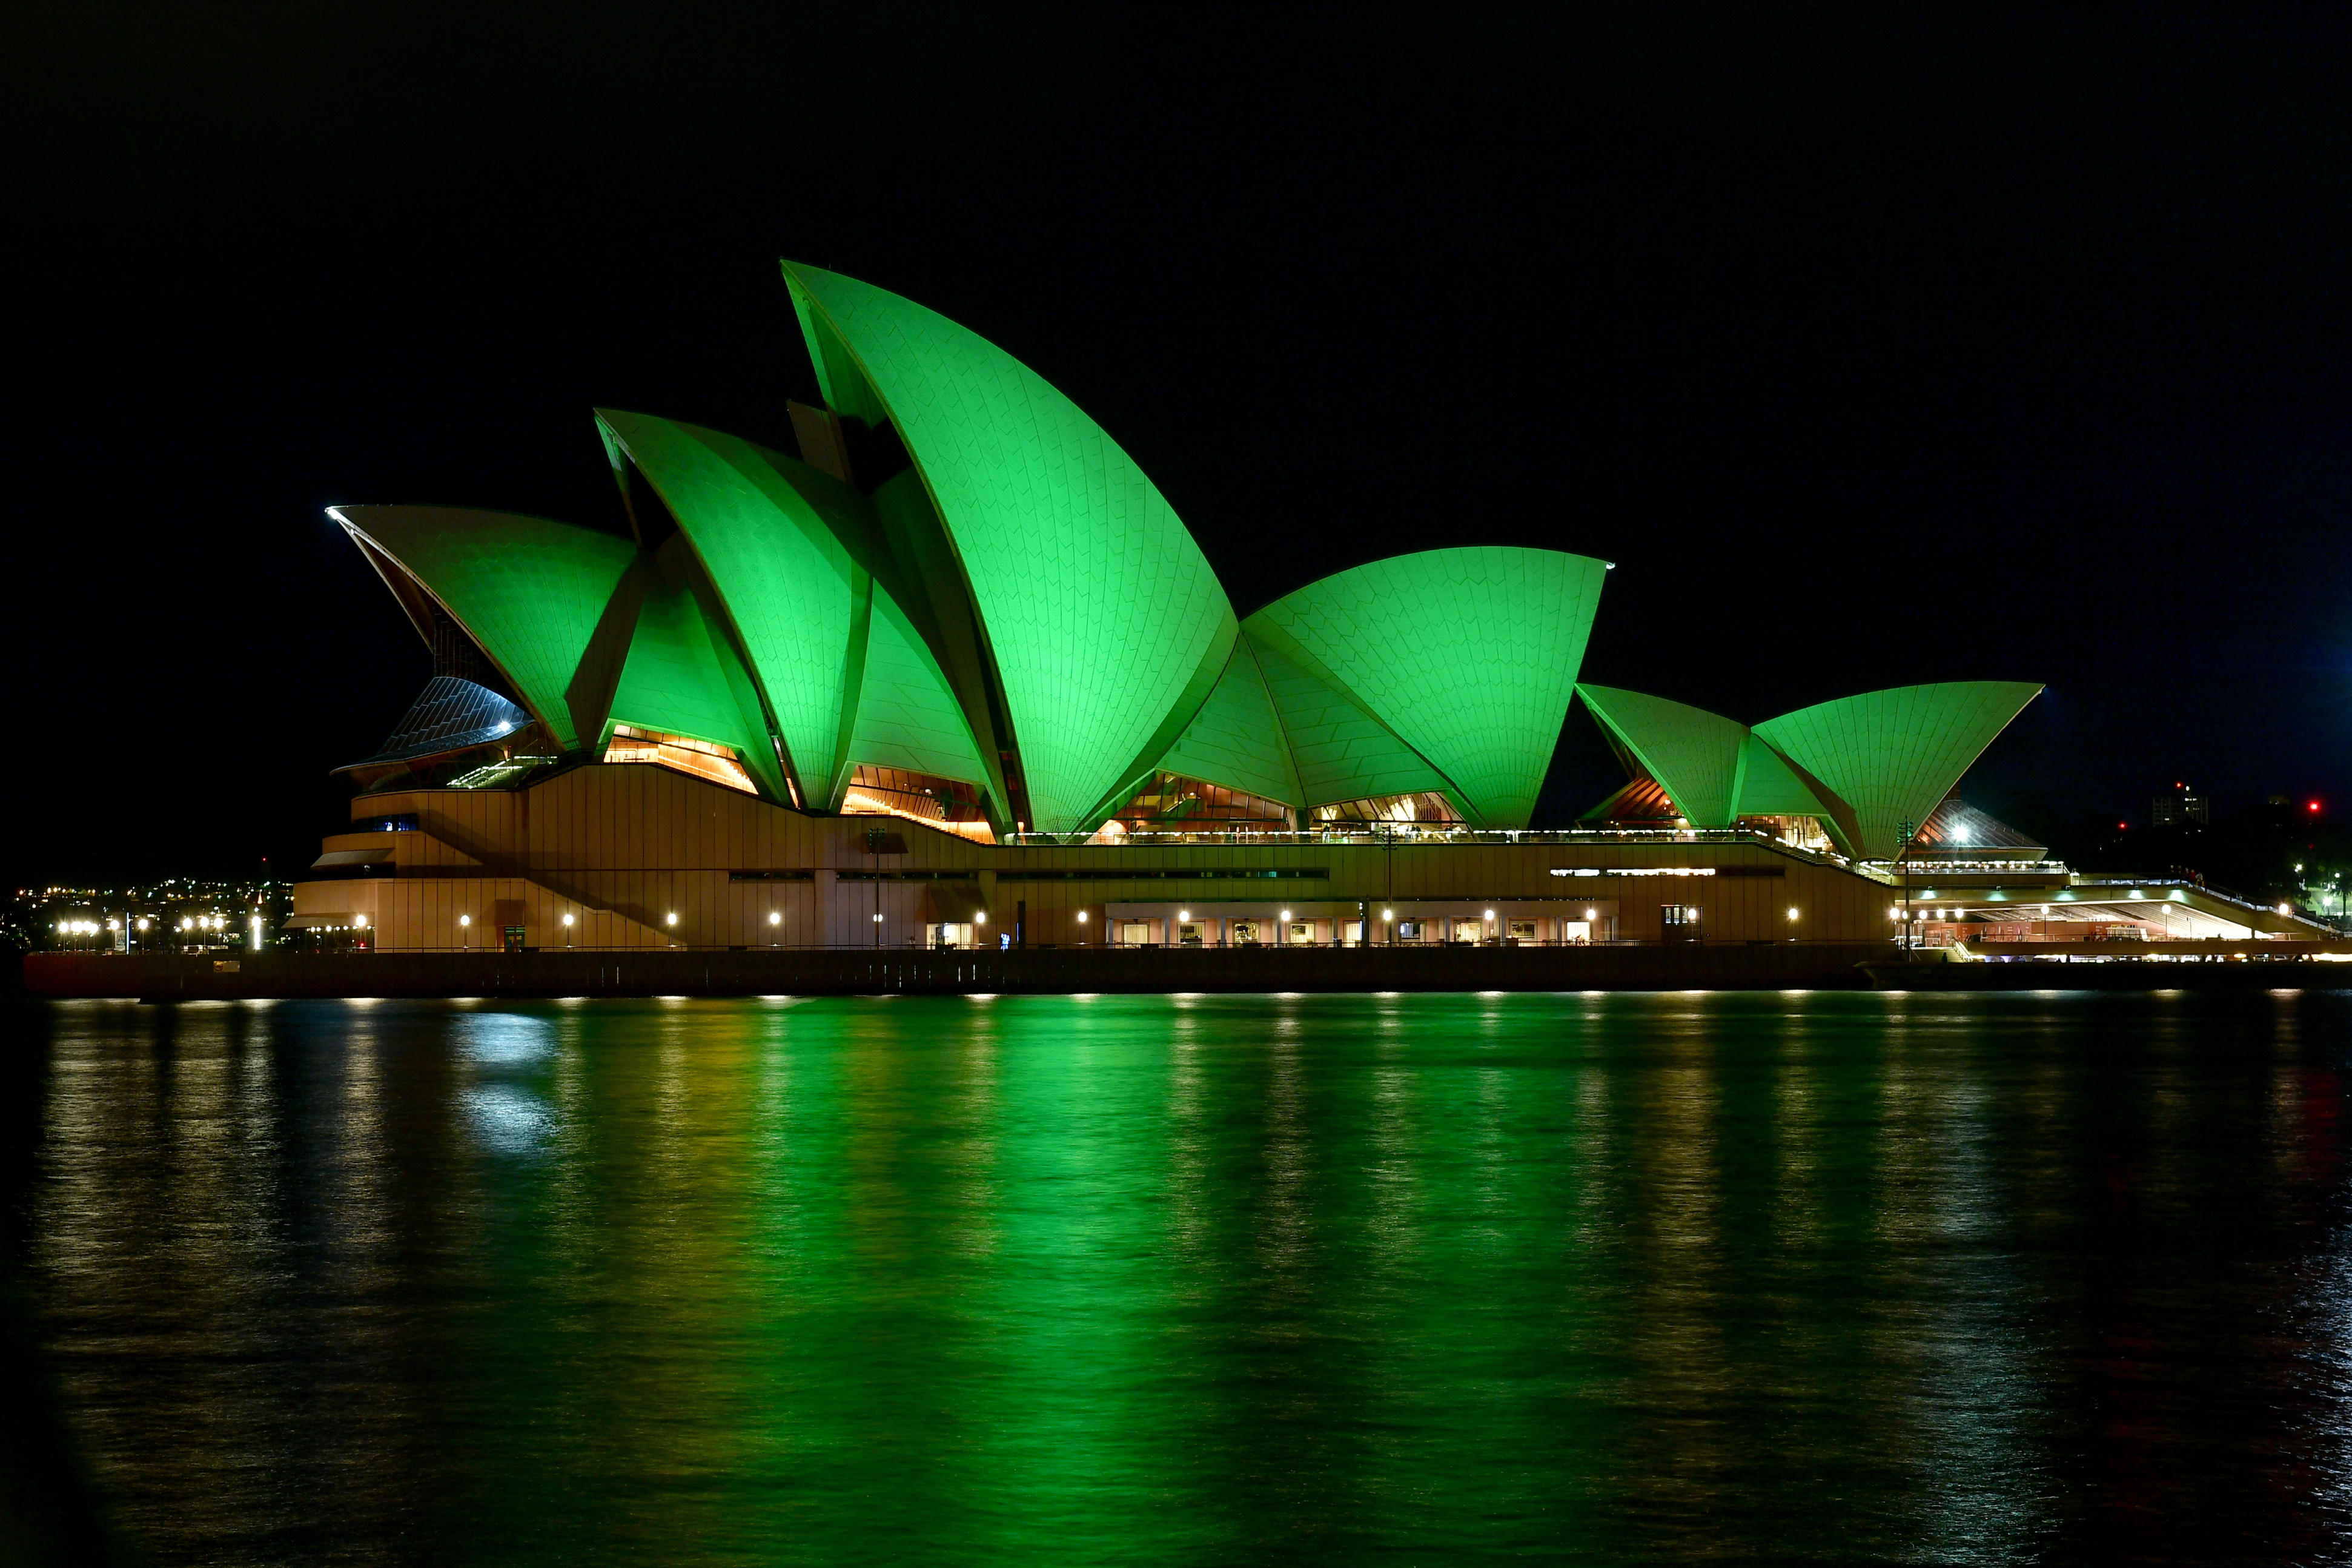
<point x="495" y="951"/>
<point x="1400" y="832"/>
<point x="2218" y="894"/>
<point x="1420" y="835"/>
<point x="1925" y="870"/>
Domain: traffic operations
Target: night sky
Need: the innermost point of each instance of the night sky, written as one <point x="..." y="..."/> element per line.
<point x="2011" y="350"/>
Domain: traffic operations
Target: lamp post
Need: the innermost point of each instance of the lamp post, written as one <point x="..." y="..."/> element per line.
<point x="1903" y="834"/>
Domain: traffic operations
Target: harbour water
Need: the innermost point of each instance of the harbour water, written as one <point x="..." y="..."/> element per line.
<point x="1205" y="1280"/>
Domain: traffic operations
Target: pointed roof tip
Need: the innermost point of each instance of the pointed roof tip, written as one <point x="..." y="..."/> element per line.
<point x="2030" y="689"/>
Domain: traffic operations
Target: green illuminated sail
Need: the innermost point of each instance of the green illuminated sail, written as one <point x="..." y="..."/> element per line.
<point x="1890" y="757"/>
<point x="1467" y="655"/>
<point x="529" y="591"/>
<point x="1693" y="754"/>
<point x="1100" y="613"/>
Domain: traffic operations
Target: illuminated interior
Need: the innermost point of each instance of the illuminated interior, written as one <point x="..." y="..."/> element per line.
<point x="946" y="804"/>
<point x="1804" y="832"/>
<point x="1421" y="806"/>
<point x="704" y="761"/>
<point x="1171" y="801"/>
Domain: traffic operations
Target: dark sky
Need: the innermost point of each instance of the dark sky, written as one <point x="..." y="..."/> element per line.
<point x="2015" y="349"/>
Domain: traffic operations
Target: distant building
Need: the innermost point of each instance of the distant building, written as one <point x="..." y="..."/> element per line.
<point x="2183" y="808"/>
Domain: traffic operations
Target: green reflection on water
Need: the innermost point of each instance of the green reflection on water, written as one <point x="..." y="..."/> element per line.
<point x="1197" y="1280"/>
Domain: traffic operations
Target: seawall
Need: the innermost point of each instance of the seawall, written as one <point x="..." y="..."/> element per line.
<point x="164" y="977"/>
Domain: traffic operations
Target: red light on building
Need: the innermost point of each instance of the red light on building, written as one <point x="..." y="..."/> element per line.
<point x="2314" y="805"/>
<point x="2123" y="827"/>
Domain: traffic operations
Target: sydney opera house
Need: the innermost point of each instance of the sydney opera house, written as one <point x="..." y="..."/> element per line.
<point x="954" y="672"/>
